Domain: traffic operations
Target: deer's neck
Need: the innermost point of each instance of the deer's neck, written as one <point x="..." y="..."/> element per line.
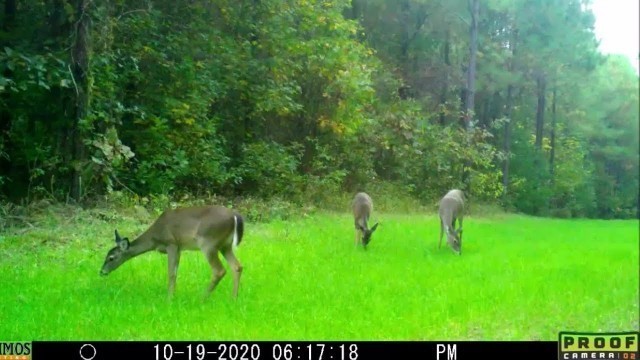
<point x="144" y="243"/>
<point x="363" y="222"/>
<point x="446" y="216"/>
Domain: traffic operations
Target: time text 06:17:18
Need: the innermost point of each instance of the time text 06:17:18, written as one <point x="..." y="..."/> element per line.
<point x="226" y="351"/>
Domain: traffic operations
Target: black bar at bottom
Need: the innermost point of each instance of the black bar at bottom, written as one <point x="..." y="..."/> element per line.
<point x="293" y="350"/>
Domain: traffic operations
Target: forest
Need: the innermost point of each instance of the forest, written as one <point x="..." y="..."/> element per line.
<point x="299" y="100"/>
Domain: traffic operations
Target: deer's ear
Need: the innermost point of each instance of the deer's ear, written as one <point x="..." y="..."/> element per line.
<point x="374" y="227"/>
<point x="123" y="244"/>
<point x="118" y="238"/>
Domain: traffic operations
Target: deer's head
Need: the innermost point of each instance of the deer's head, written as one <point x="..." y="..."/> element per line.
<point x="454" y="240"/>
<point x="116" y="256"/>
<point x="366" y="237"/>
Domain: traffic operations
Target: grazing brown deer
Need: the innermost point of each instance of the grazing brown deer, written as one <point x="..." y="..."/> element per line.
<point x="451" y="208"/>
<point x="362" y="206"/>
<point x="210" y="229"/>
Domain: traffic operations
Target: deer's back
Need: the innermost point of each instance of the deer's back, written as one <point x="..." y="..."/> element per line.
<point x="452" y="204"/>
<point x="455" y="194"/>
<point x="362" y="204"/>
<point x="189" y="226"/>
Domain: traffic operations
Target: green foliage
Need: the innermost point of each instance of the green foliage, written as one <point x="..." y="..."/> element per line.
<point x="428" y="159"/>
<point x="573" y="191"/>
<point x="271" y="168"/>
<point x="613" y="135"/>
<point x="530" y="189"/>
<point x="302" y="102"/>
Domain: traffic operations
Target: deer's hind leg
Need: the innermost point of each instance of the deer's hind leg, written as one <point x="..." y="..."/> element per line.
<point x="236" y="267"/>
<point x="218" y="271"/>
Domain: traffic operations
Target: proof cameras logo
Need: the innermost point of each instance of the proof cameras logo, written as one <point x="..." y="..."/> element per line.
<point x="598" y="346"/>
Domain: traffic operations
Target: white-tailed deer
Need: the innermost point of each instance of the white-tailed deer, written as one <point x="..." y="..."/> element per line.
<point x="210" y="229"/>
<point x="451" y="208"/>
<point x="362" y="207"/>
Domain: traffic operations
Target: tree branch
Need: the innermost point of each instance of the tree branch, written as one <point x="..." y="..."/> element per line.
<point x="74" y="79"/>
<point x="463" y="20"/>
<point x="418" y="28"/>
<point x="130" y="12"/>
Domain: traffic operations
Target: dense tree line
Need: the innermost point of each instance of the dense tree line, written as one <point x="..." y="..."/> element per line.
<point x="510" y="100"/>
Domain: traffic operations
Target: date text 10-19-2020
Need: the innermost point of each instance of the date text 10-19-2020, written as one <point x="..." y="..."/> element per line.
<point x="255" y="351"/>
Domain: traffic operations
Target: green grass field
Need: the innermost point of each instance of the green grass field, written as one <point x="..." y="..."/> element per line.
<point x="519" y="278"/>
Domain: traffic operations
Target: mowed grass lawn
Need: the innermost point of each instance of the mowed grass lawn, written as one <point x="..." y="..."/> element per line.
<point x="519" y="278"/>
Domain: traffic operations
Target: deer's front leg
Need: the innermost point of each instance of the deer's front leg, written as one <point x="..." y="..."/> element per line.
<point x="173" y="257"/>
<point x="359" y="236"/>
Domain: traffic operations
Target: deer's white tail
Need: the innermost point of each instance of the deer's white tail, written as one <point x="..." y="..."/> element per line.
<point x="235" y="231"/>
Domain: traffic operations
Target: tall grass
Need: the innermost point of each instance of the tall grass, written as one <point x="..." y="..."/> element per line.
<point x="519" y="278"/>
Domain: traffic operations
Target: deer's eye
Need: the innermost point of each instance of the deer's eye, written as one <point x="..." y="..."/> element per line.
<point x="111" y="258"/>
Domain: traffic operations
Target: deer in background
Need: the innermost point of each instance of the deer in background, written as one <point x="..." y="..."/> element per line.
<point x="362" y="207"/>
<point x="451" y="208"/>
<point x="210" y="229"/>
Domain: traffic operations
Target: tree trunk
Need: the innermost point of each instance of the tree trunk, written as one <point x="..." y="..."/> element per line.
<point x="445" y="82"/>
<point x="405" y="8"/>
<point x="244" y="134"/>
<point x="57" y="19"/>
<point x="463" y="100"/>
<point x="80" y="69"/>
<point x="355" y="10"/>
<point x="552" y="155"/>
<point x="486" y="108"/>
<point x="10" y="9"/>
<point x="509" y="124"/>
<point x="507" y="144"/>
<point x="541" y="89"/>
<point x="474" y="9"/>
<point x="6" y="118"/>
